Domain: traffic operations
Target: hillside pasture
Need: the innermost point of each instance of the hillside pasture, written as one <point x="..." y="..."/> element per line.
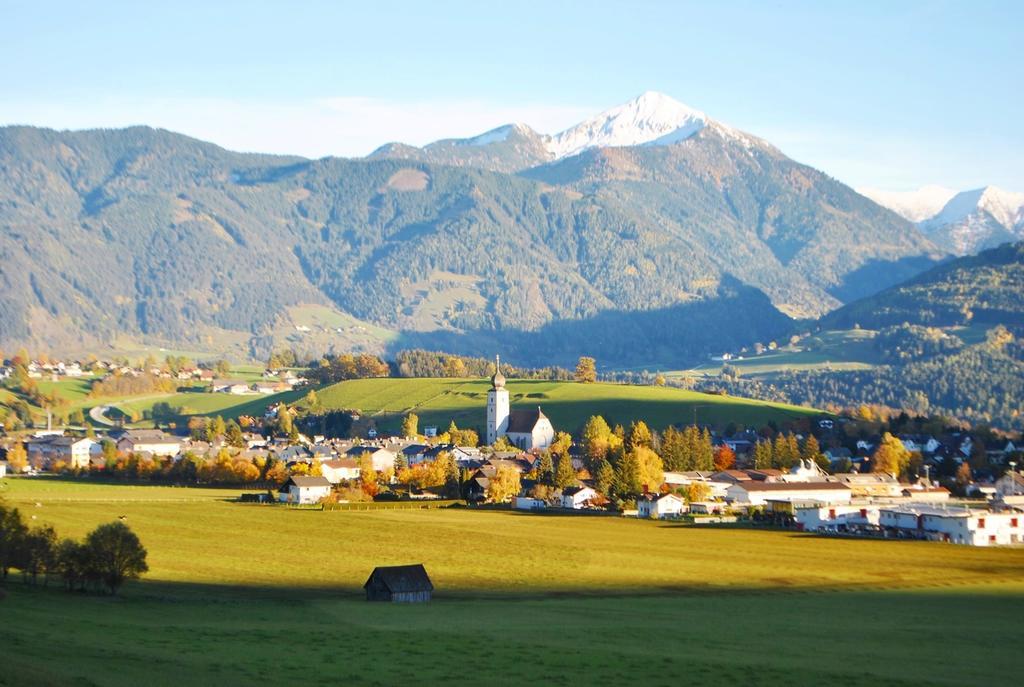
<point x="241" y="593"/>
<point x="568" y="404"/>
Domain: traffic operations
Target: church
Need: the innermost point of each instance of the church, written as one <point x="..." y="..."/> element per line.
<point x="526" y="429"/>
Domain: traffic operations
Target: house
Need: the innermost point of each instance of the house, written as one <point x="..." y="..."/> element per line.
<point x="754" y="493"/>
<point x="340" y="470"/>
<point x="382" y="458"/>
<point x="660" y="506"/>
<point x="270" y="387"/>
<point x="3" y="469"/>
<point x="814" y="516"/>
<point x="683" y="479"/>
<point x="805" y="470"/>
<point x="870" y="483"/>
<point x="300" y="489"/>
<point x="1010" y="484"/>
<point x="952" y="525"/>
<point x="921" y="492"/>
<point x="399" y="584"/>
<point x="152" y="441"/>
<point x="46" y="450"/>
<point x="229" y="386"/>
<point x="578" y="497"/>
<point x="528" y="503"/>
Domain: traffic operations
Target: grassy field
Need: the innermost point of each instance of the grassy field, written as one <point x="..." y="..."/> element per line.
<point x="438" y="401"/>
<point x="243" y="593"/>
<point x="832" y="350"/>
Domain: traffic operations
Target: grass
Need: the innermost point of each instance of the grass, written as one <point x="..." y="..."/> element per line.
<point x="438" y="401"/>
<point x="243" y="593"/>
<point x="832" y="350"/>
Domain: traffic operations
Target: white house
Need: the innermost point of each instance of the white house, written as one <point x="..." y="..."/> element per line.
<point x="757" y="493"/>
<point x="953" y="525"/>
<point x="151" y="441"/>
<point x="577" y="497"/>
<point x="382" y="458"/>
<point x="299" y="489"/>
<point x="3" y="469"/>
<point x="660" y="506"/>
<point x="528" y="503"/>
<point x="230" y="386"/>
<point x="44" y="451"/>
<point x="340" y="470"/>
<point x="805" y="470"/>
<point x="818" y="517"/>
<point x="1010" y="484"/>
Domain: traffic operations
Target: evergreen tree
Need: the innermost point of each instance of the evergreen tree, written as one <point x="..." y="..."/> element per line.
<point x="565" y="476"/>
<point x="763" y="456"/>
<point x="545" y="468"/>
<point x="673" y="450"/>
<point x="628" y="476"/>
<point x="604" y="477"/>
<point x="639" y="435"/>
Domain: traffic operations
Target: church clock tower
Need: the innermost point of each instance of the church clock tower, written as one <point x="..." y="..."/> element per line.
<point x="497" y="405"/>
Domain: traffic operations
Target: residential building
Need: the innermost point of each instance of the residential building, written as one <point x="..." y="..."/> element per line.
<point x="300" y="489"/>
<point x="660" y="506"/>
<point x="755" y="493"/>
<point x="152" y="441"/>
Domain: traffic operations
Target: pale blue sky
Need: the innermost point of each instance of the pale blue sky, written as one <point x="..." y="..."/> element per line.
<point x="887" y="94"/>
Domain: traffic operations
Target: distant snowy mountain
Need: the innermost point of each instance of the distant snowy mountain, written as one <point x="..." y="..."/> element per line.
<point x="650" y="119"/>
<point x="963" y="223"/>
<point x="917" y="206"/>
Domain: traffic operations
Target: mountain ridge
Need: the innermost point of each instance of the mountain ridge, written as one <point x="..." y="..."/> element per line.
<point x="154" y="235"/>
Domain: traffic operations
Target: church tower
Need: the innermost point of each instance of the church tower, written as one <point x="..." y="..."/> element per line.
<point x="497" y="405"/>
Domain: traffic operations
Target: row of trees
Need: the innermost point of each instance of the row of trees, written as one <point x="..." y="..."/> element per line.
<point x="337" y="368"/>
<point x="109" y="556"/>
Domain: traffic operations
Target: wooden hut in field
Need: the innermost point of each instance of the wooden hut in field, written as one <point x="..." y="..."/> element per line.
<point x="399" y="584"/>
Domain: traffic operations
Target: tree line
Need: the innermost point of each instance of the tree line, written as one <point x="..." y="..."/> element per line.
<point x="104" y="560"/>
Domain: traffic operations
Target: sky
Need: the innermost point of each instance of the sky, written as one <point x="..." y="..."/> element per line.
<point x="893" y="95"/>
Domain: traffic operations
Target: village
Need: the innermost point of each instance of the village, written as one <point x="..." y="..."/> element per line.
<point x="527" y="466"/>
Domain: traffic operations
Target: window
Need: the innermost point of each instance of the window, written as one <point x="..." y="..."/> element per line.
<point x="991" y="539"/>
<point x="981" y="523"/>
<point x="1013" y="522"/>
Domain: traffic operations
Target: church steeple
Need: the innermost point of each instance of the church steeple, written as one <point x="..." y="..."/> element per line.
<point x="498" y="380"/>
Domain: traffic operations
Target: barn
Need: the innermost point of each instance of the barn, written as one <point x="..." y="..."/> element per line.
<point x="399" y="584"/>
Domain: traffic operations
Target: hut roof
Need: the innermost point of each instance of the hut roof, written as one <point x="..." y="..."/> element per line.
<point x="402" y="578"/>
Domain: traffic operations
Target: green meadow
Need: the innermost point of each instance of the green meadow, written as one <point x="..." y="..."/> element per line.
<point x="568" y="404"/>
<point x="240" y="593"/>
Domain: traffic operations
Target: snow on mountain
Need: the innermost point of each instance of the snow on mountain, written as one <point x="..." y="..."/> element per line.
<point x="964" y="222"/>
<point x="495" y="135"/>
<point x="916" y="206"/>
<point x="652" y="119"/>
<point x="1003" y="206"/>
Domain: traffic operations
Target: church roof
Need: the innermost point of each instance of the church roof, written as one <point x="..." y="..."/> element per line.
<point x="523" y="421"/>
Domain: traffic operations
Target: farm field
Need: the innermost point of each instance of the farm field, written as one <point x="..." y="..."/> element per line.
<point x="833" y="350"/>
<point x="242" y="593"/>
<point x="568" y="404"/>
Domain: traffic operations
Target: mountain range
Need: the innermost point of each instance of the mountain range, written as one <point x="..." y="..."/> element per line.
<point x="961" y="223"/>
<point x="647" y="235"/>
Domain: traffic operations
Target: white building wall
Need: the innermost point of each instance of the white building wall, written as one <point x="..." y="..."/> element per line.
<point x="497" y="414"/>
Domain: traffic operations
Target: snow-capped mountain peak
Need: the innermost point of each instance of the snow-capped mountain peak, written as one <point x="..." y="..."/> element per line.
<point x="963" y="222"/>
<point x="651" y="118"/>
<point x="916" y="206"/>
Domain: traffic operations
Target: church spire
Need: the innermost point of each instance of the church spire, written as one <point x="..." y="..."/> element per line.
<point x="498" y="380"/>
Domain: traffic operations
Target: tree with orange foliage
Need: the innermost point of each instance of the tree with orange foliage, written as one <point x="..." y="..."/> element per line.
<point x="725" y="458"/>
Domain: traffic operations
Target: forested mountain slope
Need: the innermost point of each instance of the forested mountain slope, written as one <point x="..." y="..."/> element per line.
<point x="160" y="237"/>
